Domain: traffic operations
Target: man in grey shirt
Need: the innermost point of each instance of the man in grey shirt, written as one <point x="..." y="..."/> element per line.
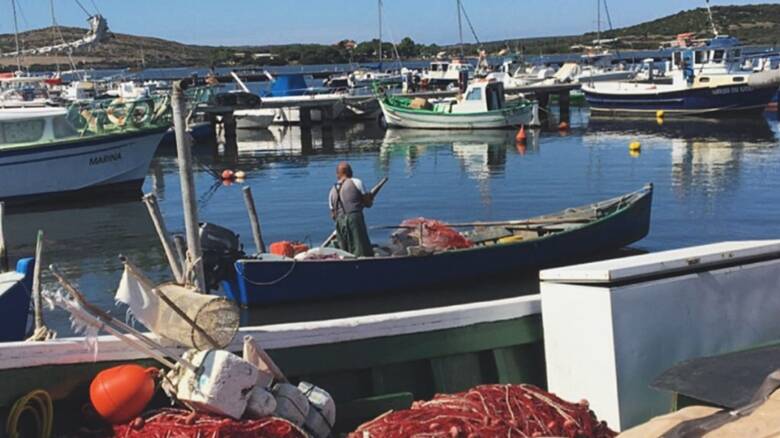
<point x="347" y="199"/>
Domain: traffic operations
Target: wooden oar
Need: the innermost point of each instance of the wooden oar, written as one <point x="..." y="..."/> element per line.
<point x="374" y="191"/>
<point x="508" y="224"/>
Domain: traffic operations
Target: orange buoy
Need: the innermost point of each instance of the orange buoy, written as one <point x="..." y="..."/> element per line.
<point x="228" y="174"/>
<point x="121" y="393"/>
<point x="563" y="126"/>
<point x="521" y="135"/>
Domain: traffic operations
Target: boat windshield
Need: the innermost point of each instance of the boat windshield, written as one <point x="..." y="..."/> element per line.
<point x="21" y="131"/>
<point x="81" y="120"/>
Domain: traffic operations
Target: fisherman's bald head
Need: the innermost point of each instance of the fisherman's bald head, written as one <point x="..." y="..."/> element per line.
<point x="343" y="170"/>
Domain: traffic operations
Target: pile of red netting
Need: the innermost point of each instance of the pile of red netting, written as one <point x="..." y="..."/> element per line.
<point x="178" y="423"/>
<point x="436" y="235"/>
<point x="490" y="411"/>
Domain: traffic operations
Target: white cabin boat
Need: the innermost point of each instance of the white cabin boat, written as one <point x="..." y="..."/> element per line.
<point x="482" y="106"/>
<point x="443" y="73"/>
<point x="43" y="152"/>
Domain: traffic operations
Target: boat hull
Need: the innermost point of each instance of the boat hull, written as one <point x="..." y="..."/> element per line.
<point x="509" y="117"/>
<point x="259" y="282"/>
<point x="15" y="290"/>
<point x="369" y="364"/>
<point x="80" y="167"/>
<point x="695" y="101"/>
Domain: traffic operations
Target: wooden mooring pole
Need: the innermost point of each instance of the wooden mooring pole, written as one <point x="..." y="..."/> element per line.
<point x="253" y="220"/>
<point x="3" y="249"/>
<point x="194" y="270"/>
<point x="162" y="232"/>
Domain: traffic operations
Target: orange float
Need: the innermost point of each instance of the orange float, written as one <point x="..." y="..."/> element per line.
<point x="521" y="135"/>
<point x="121" y="393"/>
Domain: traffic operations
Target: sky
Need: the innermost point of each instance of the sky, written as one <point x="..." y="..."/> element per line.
<point x="259" y="22"/>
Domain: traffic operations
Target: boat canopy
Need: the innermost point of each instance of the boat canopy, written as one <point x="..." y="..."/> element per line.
<point x="293" y="84"/>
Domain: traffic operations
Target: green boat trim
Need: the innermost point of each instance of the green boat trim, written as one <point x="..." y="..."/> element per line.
<point x="398" y="104"/>
<point x="369" y="364"/>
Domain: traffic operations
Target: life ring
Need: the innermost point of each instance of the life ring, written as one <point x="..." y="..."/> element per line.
<point x="141" y="112"/>
<point x="117" y="119"/>
<point x="90" y="119"/>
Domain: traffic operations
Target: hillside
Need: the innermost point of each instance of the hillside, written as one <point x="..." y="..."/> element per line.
<point x="754" y="24"/>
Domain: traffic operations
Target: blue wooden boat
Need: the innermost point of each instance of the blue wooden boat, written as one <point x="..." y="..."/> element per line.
<point x="513" y="247"/>
<point x="703" y="80"/>
<point x="15" y="290"/>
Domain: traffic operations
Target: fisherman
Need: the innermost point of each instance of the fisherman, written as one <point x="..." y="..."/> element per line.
<point x="347" y="200"/>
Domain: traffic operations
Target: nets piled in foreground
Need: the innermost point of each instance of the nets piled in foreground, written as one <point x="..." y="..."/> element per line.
<point x="490" y="411"/>
<point x="178" y="423"/>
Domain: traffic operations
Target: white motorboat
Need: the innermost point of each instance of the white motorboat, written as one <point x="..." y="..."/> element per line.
<point x="482" y="106"/>
<point x="254" y="118"/>
<point x="78" y="151"/>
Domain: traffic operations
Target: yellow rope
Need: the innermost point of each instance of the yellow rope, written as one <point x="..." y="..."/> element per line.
<point x="39" y="405"/>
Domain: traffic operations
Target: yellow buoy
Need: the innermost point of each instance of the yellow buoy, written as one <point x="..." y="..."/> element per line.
<point x="659" y="114"/>
<point x="635" y="146"/>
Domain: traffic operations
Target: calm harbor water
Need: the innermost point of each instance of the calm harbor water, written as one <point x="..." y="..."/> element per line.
<point x="714" y="181"/>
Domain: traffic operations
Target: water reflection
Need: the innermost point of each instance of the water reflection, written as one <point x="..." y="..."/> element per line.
<point x="84" y="243"/>
<point x="711" y="174"/>
<point x="705" y="154"/>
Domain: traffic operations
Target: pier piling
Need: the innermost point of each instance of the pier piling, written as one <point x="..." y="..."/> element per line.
<point x="305" y="117"/>
<point x="564" y="105"/>
<point x="3" y="249"/>
<point x="544" y="105"/>
<point x="253" y="220"/>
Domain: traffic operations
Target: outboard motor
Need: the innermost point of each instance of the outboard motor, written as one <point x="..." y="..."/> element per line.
<point x="221" y="248"/>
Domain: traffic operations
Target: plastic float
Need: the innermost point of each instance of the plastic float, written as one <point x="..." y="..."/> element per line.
<point x="225" y="394"/>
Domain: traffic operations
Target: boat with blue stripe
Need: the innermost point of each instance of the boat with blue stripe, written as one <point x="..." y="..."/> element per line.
<point x="500" y="249"/>
<point x="712" y="78"/>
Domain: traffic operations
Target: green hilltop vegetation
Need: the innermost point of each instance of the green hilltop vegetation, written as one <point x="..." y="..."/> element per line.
<point x="757" y="24"/>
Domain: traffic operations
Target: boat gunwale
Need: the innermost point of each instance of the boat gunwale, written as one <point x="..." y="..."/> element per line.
<point x="66" y="351"/>
<point x="21" y="148"/>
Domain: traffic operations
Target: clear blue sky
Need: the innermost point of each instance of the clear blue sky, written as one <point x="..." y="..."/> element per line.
<point x="236" y="22"/>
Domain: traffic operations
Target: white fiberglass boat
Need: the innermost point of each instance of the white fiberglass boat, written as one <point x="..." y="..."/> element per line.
<point x="78" y="151"/>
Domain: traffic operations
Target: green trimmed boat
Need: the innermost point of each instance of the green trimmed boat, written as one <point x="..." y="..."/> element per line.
<point x="482" y="106"/>
<point x="369" y="364"/>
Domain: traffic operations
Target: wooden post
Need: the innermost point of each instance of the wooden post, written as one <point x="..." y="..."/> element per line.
<point x="196" y="277"/>
<point x="253" y="220"/>
<point x="181" y="248"/>
<point x="36" y="286"/>
<point x="564" y="104"/>
<point x="3" y="249"/>
<point x="162" y="232"/>
<point x="229" y="125"/>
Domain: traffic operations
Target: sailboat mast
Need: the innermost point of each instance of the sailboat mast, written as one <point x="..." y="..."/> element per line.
<point x="380" y="34"/>
<point x="598" y="23"/>
<point x="16" y="36"/>
<point x="460" y="28"/>
<point x="712" y="20"/>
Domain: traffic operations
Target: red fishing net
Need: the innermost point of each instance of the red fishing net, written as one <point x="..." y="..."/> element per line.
<point x="178" y="423"/>
<point x="489" y="411"/>
<point x="436" y="235"/>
